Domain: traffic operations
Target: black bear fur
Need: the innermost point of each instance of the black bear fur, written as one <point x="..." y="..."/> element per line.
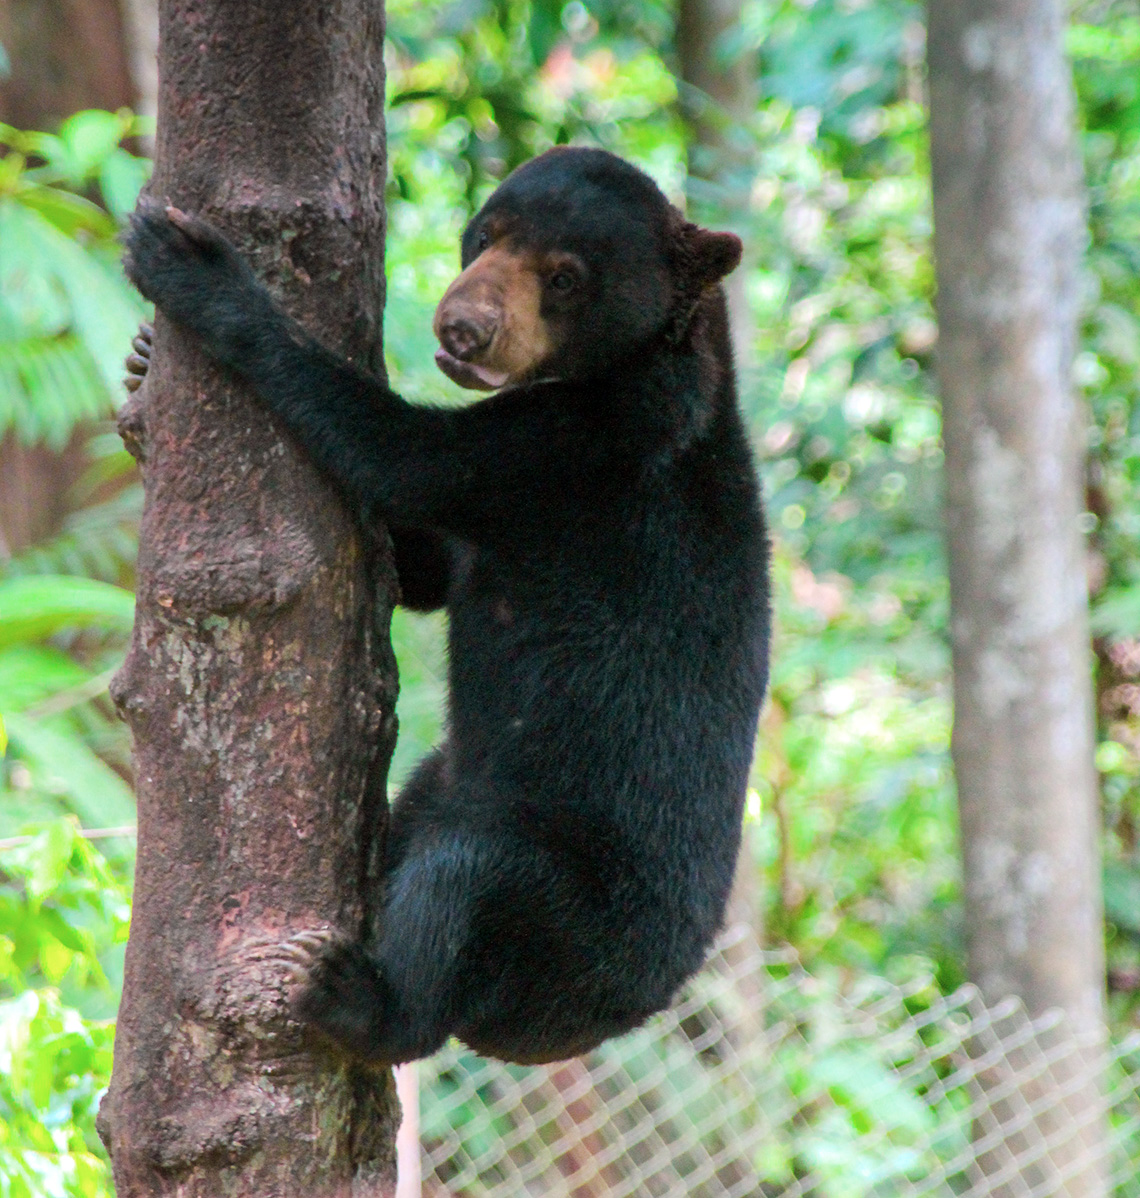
<point x="560" y="865"/>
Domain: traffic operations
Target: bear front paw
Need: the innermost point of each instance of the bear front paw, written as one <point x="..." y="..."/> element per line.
<point x="191" y="272"/>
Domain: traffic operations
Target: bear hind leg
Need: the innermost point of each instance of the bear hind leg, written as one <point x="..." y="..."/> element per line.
<point x="400" y="998"/>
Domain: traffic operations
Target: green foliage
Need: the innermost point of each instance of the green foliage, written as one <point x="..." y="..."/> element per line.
<point x="1109" y="365"/>
<point x="66" y="312"/>
<point x="419" y="644"/>
<point x="51" y="1066"/>
<point x="66" y="318"/>
<point x="857" y="846"/>
<point x="845" y="61"/>
<point x="38" y="606"/>
<point x="64" y="911"/>
<point x="1104" y="43"/>
<point x="62" y="738"/>
<point x="482" y="85"/>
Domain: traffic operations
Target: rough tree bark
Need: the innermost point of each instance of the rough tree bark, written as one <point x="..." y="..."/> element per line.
<point x="259" y="682"/>
<point x="1009" y="232"/>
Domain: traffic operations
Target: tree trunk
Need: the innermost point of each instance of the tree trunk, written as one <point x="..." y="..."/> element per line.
<point x="140" y="27"/>
<point x="718" y="87"/>
<point x="34" y="483"/>
<point x="1009" y="231"/>
<point x="64" y="55"/>
<point x="260" y="682"/>
<point x="718" y="99"/>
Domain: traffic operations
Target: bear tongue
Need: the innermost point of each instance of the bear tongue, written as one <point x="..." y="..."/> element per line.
<point x="468" y="374"/>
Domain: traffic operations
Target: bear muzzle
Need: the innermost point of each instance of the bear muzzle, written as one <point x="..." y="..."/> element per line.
<point x="489" y="322"/>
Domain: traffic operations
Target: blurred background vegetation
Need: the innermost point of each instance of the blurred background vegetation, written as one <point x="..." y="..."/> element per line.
<point x="824" y="174"/>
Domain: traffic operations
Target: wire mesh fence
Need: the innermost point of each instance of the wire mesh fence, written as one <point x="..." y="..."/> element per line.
<point x="765" y="1081"/>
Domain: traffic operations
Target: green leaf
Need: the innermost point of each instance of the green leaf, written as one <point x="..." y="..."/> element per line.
<point x="47" y="386"/>
<point x="30" y="673"/>
<point x="32" y="142"/>
<point x="37" y="606"/>
<point x="67" y="212"/>
<point x="61" y="763"/>
<point x="121" y="178"/>
<point x="54" y="923"/>
<point x="12" y="167"/>
<point x="1122" y="895"/>
<point x="1117" y="612"/>
<point x="91" y="137"/>
<point x="97" y="541"/>
<point x="49" y="855"/>
<point x="101" y="308"/>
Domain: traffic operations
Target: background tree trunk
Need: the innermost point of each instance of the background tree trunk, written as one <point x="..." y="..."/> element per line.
<point x="719" y="90"/>
<point x="64" y="55"/>
<point x="140" y="26"/>
<point x="260" y="682"/>
<point x="718" y="100"/>
<point x="1009" y="232"/>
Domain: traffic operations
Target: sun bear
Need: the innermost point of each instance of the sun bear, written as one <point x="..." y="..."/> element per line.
<point x="560" y="864"/>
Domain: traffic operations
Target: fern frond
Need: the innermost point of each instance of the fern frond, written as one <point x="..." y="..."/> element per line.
<point x="48" y="384"/>
<point x="52" y="284"/>
<point x="99" y="541"/>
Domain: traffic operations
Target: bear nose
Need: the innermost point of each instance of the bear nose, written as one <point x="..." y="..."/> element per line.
<point x="463" y="337"/>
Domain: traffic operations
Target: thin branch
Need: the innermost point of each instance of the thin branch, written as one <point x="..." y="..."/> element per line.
<point x="122" y="831"/>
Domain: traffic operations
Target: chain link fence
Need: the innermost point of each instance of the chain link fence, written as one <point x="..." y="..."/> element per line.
<point x="766" y="1081"/>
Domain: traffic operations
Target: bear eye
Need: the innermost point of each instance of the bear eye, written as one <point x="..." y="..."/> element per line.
<point x="562" y="281"/>
<point x="484" y="239"/>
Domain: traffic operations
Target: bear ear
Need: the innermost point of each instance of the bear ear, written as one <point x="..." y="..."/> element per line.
<point x="710" y="255"/>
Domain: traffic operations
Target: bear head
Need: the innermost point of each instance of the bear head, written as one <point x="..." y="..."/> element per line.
<point x="575" y="262"/>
